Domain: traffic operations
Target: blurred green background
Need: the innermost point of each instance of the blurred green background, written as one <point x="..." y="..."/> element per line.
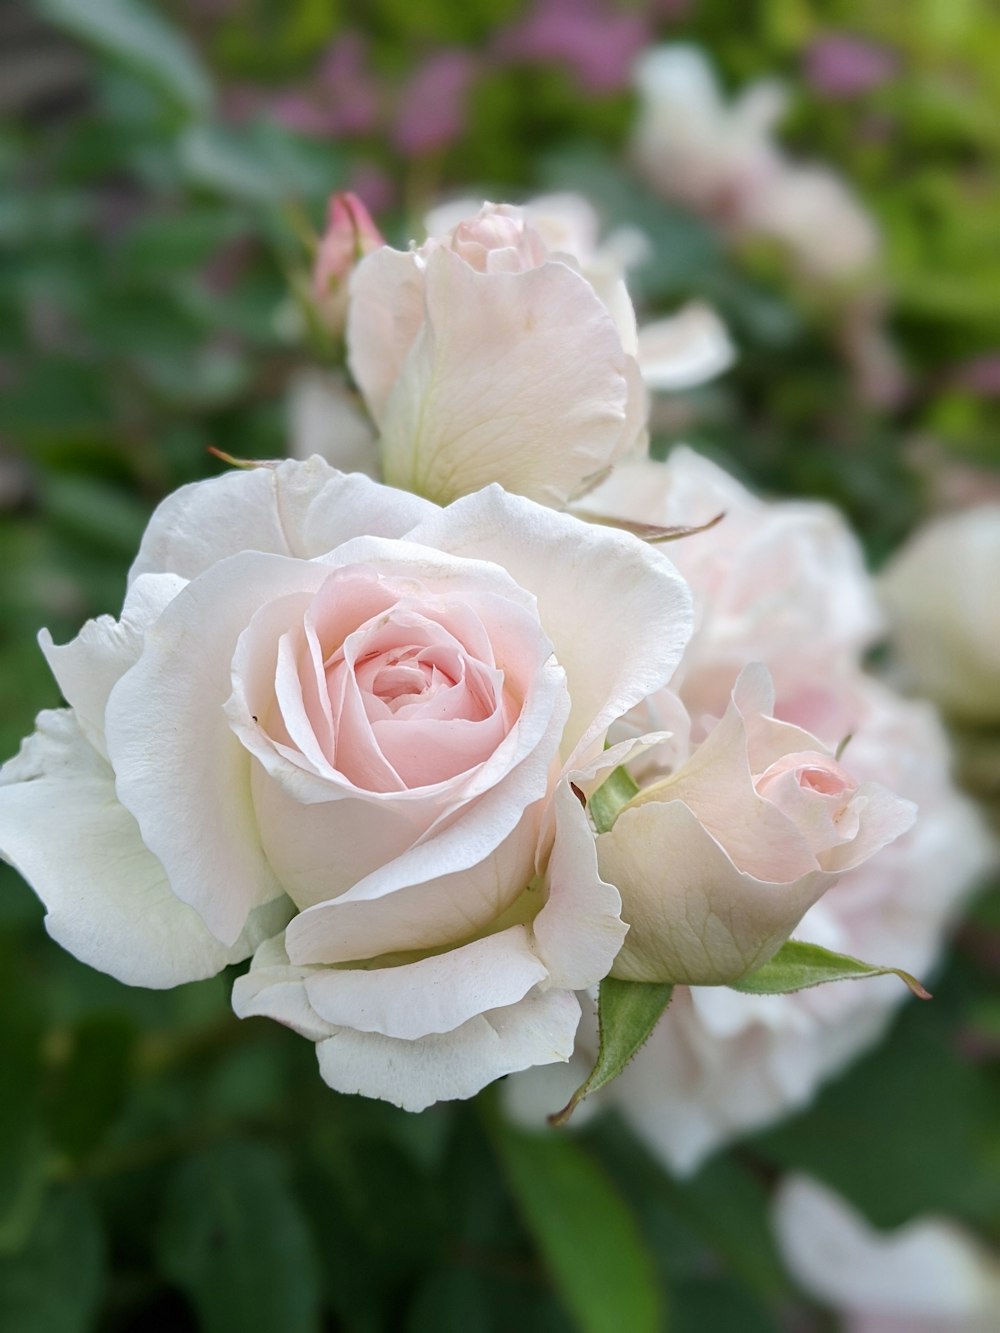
<point x="164" y="1167"/>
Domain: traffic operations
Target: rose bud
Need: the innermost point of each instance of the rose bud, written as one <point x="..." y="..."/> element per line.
<point x="350" y="235"/>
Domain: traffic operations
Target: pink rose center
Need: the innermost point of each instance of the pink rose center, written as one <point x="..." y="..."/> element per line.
<point x="499" y="240"/>
<point x="816" y="794"/>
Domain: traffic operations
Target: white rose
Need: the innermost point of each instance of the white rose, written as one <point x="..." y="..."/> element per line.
<point x="940" y="592"/>
<point x="335" y="702"/>
<point x="482" y="357"/>
<point x="928" y="1276"/>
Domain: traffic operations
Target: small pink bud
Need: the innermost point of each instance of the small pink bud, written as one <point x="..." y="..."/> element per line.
<point x="350" y="235"/>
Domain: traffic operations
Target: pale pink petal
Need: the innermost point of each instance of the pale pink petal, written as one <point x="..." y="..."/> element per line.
<point x="178" y="764"/>
<point x="88" y="666"/>
<point x="106" y="895"/>
<point x="693" y="916"/>
<point x="290" y="508"/>
<point x="515" y="377"/>
<point x="685" y="349"/>
<point x="928" y="1274"/>
<point x="435" y="994"/>
<point x="454" y="1065"/>
<point x="385" y="315"/>
<point x="595" y="587"/>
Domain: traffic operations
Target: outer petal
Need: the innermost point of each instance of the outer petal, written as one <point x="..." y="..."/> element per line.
<point x="539" y="1029"/>
<point x="180" y="769"/>
<point x="381" y="915"/>
<point x="518" y="378"/>
<point x="450" y="1066"/>
<point x="291" y="508"/>
<point x="383" y="319"/>
<point x="694" y="917"/>
<point x="927" y="1275"/>
<point x="435" y="994"/>
<point x="595" y="587"/>
<point x="88" y="667"/>
<point x="107" y="897"/>
<point x="684" y="350"/>
<point x="325" y="418"/>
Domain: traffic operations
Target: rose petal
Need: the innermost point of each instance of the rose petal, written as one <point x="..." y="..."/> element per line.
<point x="106" y="895"/>
<point x="514" y="377"/>
<point x="595" y="587"/>
<point x="435" y="994"/>
<point x="291" y="508"/>
<point x="454" y="1065"/>
<point x="88" y="667"/>
<point x="180" y="769"/>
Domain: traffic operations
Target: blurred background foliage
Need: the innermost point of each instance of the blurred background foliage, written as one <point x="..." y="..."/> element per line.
<point x="165" y="1167"/>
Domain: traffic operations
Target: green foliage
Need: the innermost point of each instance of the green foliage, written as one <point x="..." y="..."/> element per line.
<point x="588" y="1239"/>
<point x="233" y="1239"/>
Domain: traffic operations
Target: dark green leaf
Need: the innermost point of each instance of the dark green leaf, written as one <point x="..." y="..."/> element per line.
<point x="53" y="1284"/>
<point x="798" y="965"/>
<point x="140" y="39"/>
<point x="233" y="1239"/>
<point x="627" y="1012"/>
<point x="589" y="1240"/>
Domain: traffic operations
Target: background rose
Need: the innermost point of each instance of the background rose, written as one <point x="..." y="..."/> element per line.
<point x="930" y="1275"/>
<point x="328" y="691"/>
<point x="940" y="592"/>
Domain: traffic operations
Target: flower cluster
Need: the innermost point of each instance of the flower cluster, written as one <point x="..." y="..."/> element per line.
<point x="364" y="731"/>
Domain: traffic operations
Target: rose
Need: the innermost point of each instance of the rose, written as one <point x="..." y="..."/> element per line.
<point x="928" y="1276"/>
<point x="783" y="583"/>
<point x="332" y="701"/>
<point x="718" y="861"/>
<point x="484" y="357"/>
<point x="940" y="595"/>
<point x="691" y="146"/>
<point x="350" y="235"/>
<point x="722" y="160"/>
<point x="735" y="1062"/>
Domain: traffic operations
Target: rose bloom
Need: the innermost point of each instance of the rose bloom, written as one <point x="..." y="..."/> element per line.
<point x="928" y="1276"/>
<point x="720" y="158"/>
<point x="783" y="583"/>
<point x="940" y="593"/>
<point x="334" y="704"/>
<point x="718" y="859"/>
<point x="482" y="357"/>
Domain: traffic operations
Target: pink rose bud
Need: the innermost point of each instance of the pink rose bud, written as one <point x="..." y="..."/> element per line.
<point x="350" y="235"/>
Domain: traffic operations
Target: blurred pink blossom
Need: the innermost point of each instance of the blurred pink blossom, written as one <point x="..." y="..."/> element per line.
<point x="981" y="375"/>
<point x="598" y="46"/>
<point x="841" y="65"/>
<point x="341" y="100"/>
<point x="432" y="106"/>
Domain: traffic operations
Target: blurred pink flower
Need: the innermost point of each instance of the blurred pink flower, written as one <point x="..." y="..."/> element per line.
<point x="597" y="46"/>
<point x="341" y="100"/>
<point x="841" y="65"/>
<point x="981" y="375"/>
<point x="432" y="106"/>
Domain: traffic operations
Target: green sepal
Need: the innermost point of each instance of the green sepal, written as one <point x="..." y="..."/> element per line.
<point x="627" y="1012"/>
<point x="798" y="965"/>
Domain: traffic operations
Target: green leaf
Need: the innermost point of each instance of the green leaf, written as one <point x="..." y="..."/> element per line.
<point x="798" y="965"/>
<point x="233" y="1239"/>
<point x="611" y="797"/>
<point x="53" y="1284"/>
<point x="627" y="1012"/>
<point x="140" y="39"/>
<point x="589" y="1240"/>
